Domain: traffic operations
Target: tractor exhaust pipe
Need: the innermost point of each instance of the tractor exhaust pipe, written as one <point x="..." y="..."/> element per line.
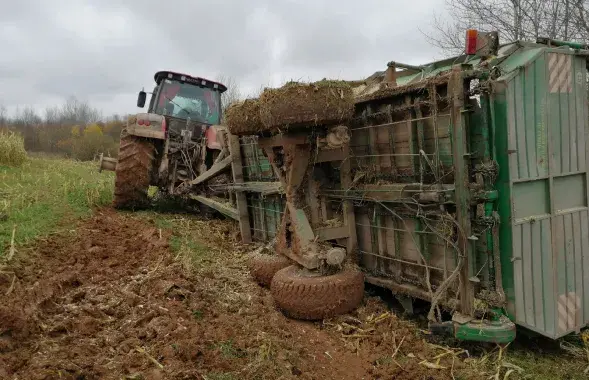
<point x="107" y="163"/>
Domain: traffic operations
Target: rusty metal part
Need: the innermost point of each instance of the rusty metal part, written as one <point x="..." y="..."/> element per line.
<point x="337" y="137"/>
<point x="390" y="77"/>
<point x="335" y="256"/>
<point x="405" y="66"/>
<point x="292" y="158"/>
<point x="106" y="163"/>
<point x="409" y="290"/>
<point x="165" y="162"/>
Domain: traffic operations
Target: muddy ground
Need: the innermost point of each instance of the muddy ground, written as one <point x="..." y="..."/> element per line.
<point x="124" y="297"/>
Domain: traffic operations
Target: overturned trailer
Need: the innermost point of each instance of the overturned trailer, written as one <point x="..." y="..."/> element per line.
<point x="462" y="182"/>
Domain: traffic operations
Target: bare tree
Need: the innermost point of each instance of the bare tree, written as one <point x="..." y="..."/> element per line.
<point x="580" y="15"/>
<point x="513" y="19"/>
<point x="52" y="116"/>
<point x="3" y="116"/>
<point x="27" y="117"/>
<point x="75" y="111"/>
<point x="233" y="93"/>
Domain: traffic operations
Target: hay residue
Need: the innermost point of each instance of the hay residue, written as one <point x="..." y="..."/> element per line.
<point x="243" y="118"/>
<point x="306" y="104"/>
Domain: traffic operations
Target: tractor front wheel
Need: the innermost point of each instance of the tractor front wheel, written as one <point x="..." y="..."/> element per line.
<point x="133" y="172"/>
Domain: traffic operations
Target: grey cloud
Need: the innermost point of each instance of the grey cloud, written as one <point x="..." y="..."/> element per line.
<point x="108" y="49"/>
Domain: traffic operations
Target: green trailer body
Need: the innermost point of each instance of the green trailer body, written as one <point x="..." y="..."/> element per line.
<point x="541" y="113"/>
<point x="509" y="164"/>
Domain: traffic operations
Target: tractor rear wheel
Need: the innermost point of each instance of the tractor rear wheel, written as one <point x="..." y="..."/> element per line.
<point x="133" y="172"/>
<point x="302" y="294"/>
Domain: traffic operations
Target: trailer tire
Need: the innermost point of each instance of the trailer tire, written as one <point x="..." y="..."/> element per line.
<point x="133" y="172"/>
<point x="300" y="295"/>
<point x="263" y="267"/>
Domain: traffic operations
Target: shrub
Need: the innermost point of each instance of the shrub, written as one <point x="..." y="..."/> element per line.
<point x="12" y="149"/>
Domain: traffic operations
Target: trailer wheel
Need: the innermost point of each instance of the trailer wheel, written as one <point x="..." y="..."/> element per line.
<point x="263" y="267"/>
<point x="301" y="294"/>
<point x="133" y="172"/>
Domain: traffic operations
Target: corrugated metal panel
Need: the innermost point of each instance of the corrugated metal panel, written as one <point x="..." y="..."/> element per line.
<point x="547" y="123"/>
<point x="533" y="271"/>
<point x="571" y="250"/>
<point x="520" y="58"/>
<point x="527" y="117"/>
<point x="568" y="120"/>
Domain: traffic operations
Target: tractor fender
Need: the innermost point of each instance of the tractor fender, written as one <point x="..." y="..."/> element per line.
<point x="148" y="125"/>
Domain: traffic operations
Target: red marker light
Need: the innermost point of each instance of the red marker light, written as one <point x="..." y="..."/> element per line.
<point x="140" y="121"/>
<point x="147" y="123"/>
<point x="471" y="42"/>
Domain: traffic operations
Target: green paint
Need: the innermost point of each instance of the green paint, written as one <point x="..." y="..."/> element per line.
<point x="502" y="185"/>
<point x="491" y="195"/>
<point x="501" y="330"/>
<point x="558" y="43"/>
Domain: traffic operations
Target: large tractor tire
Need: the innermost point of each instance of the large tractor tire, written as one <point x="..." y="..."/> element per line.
<point x="133" y="172"/>
<point x="263" y="267"/>
<point x="301" y="294"/>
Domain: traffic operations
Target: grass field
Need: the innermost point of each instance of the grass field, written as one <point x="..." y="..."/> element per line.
<point x="44" y="195"/>
<point x="49" y="195"/>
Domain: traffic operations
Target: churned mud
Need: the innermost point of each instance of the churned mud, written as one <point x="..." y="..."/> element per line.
<point x="114" y="299"/>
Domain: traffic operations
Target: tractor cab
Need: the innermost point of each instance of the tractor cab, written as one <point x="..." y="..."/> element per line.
<point x="183" y="96"/>
<point x="187" y="103"/>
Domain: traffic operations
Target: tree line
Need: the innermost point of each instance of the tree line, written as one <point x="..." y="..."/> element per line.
<point x="514" y="20"/>
<point x="74" y="129"/>
<point x="79" y="131"/>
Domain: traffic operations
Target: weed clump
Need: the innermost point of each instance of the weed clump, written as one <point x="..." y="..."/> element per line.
<point x="12" y="149"/>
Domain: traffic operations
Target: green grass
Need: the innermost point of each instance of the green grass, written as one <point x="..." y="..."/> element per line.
<point x="47" y="194"/>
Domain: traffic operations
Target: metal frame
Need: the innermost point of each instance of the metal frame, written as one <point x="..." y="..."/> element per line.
<point x="434" y="170"/>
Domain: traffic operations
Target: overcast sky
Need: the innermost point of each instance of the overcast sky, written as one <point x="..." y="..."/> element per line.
<point x="104" y="51"/>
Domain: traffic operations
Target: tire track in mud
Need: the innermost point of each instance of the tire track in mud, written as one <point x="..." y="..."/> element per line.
<point x="110" y="301"/>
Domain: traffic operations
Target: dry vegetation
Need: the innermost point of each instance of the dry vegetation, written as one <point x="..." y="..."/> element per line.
<point x="74" y="129"/>
<point x="12" y="149"/>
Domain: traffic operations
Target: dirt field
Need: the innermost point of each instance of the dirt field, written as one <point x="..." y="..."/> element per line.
<point x="125" y="297"/>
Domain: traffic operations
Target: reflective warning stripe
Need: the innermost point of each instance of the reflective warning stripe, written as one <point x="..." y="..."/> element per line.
<point x="560" y="72"/>
<point x="568" y="312"/>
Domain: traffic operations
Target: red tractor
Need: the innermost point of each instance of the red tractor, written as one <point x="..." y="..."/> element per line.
<point x="172" y="143"/>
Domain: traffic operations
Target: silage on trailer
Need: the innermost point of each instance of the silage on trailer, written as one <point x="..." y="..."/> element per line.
<point x="306" y="104"/>
<point x="243" y="118"/>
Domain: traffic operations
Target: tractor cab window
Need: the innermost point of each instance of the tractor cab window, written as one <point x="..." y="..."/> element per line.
<point x="185" y="100"/>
